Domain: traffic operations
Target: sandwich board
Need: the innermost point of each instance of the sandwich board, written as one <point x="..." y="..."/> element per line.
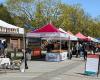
<point x="92" y="64"/>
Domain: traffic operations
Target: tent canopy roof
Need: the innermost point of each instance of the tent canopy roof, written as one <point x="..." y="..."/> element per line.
<point x="47" y="28"/>
<point x="47" y="31"/>
<point x="71" y="37"/>
<point x="93" y="39"/>
<point x="81" y="36"/>
<point x="7" y="25"/>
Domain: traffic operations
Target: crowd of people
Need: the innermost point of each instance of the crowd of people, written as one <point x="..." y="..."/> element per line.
<point x="78" y="48"/>
<point x="81" y="49"/>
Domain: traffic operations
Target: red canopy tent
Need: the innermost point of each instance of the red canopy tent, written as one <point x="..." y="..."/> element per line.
<point x="82" y="37"/>
<point x="48" y="30"/>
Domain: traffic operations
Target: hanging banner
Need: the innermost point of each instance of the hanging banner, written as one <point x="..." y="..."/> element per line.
<point x="92" y="64"/>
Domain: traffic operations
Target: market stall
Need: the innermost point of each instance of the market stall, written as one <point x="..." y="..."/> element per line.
<point x="56" y="55"/>
<point x="51" y="32"/>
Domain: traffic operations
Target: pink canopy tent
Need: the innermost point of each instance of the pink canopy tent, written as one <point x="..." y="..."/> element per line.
<point x="47" y="31"/>
<point x="82" y="37"/>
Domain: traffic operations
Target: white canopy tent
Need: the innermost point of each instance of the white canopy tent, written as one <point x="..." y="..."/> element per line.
<point x="71" y="37"/>
<point x="93" y="39"/>
<point x="6" y="27"/>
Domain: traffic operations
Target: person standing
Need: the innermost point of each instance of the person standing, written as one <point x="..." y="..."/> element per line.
<point x="84" y="52"/>
<point x="4" y="44"/>
<point x="24" y="58"/>
<point x="77" y="49"/>
<point x="28" y="53"/>
<point x="1" y="49"/>
<point x="80" y="50"/>
<point x="5" y="48"/>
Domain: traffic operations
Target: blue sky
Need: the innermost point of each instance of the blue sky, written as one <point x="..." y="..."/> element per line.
<point x="2" y="1"/>
<point x="90" y="6"/>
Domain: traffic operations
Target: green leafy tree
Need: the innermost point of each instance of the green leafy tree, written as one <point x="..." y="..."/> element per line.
<point x="37" y="13"/>
<point x="5" y="15"/>
<point x="34" y="12"/>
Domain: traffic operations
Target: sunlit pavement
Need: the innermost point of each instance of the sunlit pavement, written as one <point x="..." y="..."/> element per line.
<point x="43" y="70"/>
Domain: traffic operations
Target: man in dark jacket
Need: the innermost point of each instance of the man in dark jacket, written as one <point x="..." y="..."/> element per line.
<point x="1" y="48"/>
<point x="85" y="54"/>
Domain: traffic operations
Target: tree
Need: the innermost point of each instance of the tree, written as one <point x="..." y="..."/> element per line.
<point x="5" y="15"/>
<point x="75" y="19"/>
<point x="21" y="10"/>
<point x="46" y="11"/>
<point x="34" y="12"/>
<point x="71" y="17"/>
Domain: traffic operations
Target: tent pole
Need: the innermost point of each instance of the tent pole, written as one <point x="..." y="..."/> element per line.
<point x="24" y="52"/>
<point x="60" y="43"/>
<point x="69" y="50"/>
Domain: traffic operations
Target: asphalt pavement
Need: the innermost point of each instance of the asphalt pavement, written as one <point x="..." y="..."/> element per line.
<point x="43" y="70"/>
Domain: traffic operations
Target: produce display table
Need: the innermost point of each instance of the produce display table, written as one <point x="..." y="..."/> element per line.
<point x="56" y="56"/>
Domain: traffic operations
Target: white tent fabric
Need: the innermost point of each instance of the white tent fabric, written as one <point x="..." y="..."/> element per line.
<point x="21" y="31"/>
<point x="56" y="38"/>
<point x="48" y="35"/>
<point x="7" y="25"/>
<point x="93" y="39"/>
<point x="71" y="37"/>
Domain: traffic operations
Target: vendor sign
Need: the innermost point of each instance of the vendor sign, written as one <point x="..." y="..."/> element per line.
<point x="92" y="64"/>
